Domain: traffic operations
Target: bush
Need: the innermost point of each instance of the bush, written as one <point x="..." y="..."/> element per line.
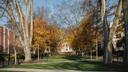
<point x="34" y="56"/>
<point x="20" y="56"/>
<point x="1" y="57"/>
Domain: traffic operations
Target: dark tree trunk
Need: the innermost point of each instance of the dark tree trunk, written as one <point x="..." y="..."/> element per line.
<point x="125" y="11"/>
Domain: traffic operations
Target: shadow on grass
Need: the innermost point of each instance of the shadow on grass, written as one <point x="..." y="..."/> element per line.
<point x="76" y="64"/>
<point x="75" y="58"/>
<point x="88" y="66"/>
<point x="83" y="66"/>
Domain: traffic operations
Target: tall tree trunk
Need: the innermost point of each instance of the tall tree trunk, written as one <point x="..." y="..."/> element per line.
<point x="31" y="21"/>
<point x="15" y="13"/>
<point x="15" y="55"/>
<point x="26" y="37"/>
<point x="113" y="30"/>
<point x="27" y="54"/>
<point x="14" y="48"/>
<point x="96" y="48"/>
<point x="105" y="30"/>
<point x="108" y="34"/>
<point x="91" y="54"/>
<point x="38" y="53"/>
<point x="108" y="53"/>
<point x="106" y="41"/>
<point x="125" y="11"/>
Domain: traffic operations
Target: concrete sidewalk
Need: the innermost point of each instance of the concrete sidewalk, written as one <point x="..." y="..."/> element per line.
<point x="43" y="70"/>
<point x="36" y="70"/>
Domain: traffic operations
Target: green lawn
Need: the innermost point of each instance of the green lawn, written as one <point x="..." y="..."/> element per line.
<point x="72" y="63"/>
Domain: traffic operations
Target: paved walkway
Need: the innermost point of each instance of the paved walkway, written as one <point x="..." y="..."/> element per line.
<point x="44" y="70"/>
<point x="36" y="70"/>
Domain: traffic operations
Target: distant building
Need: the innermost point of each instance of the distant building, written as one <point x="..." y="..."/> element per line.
<point x="65" y="47"/>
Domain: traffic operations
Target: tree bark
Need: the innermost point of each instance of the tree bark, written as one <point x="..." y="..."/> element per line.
<point x="31" y="19"/>
<point x="27" y="54"/>
<point x="96" y="48"/>
<point x="16" y="15"/>
<point x="14" y="48"/>
<point x="38" y="53"/>
<point x="15" y="55"/>
<point x="105" y="31"/>
<point x="106" y="41"/>
<point x="113" y="30"/>
<point x="24" y="25"/>
<point x="108" y="34"/>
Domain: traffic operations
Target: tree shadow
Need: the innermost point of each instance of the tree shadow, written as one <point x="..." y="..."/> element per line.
<point x="89" y="66"/>
<point x="74" y="58"/>
<point x="80" y="63"/>
<point x="77" y="64"/>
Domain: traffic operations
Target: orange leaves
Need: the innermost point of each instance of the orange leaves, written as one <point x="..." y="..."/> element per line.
<point x="39" y="31"/>
<point x="85" y="34"/>
<point x="45" y="34"/>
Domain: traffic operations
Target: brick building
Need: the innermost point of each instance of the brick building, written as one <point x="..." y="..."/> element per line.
<point x="6" y="40"/>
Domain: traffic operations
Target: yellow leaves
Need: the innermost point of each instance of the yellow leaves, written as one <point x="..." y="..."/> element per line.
<point x="45" y="34"/>
<point x="84" y="34"/>
<point x="70" y="38"/>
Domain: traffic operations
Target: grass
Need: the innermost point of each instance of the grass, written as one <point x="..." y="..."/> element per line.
<point x="73" y="63"/>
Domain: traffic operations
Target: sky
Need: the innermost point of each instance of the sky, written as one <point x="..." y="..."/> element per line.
<point x="51" y="6"/>
<point x="38" y="3"/>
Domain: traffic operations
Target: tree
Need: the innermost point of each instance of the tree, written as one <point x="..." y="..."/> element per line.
<point x="109" y="32"/>
<point x="105" y="31"/>
<point x="19" y="18"/>
<point x="113" y="30"/>
<point x="46" y="35"/>
<point x="39" y="33"/>
<point x="83" y="38"/>
<point x="125" y="18"/>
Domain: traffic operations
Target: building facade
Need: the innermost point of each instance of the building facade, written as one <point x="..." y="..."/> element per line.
<point x="64" y="47"/>
<point x="6" y="40"/>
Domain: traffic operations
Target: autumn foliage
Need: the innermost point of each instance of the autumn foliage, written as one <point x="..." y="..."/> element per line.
<point x="46" y="35"/>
